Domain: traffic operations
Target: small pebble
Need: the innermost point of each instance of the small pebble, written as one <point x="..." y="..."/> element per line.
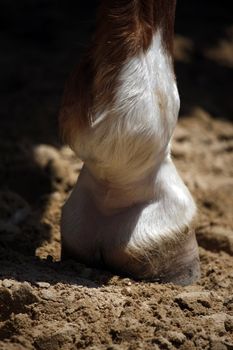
<point x="189" y="299"/>
<point x="176" y="337"/>
<point x="48" y="295"/>
<point x="43" y="284"/>
<point x="7" y="283"/>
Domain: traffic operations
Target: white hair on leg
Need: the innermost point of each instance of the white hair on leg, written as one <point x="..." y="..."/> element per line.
<point x="138" y="204"/>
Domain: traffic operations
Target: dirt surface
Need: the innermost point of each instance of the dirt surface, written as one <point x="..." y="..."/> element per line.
<point x="46" y="304"/>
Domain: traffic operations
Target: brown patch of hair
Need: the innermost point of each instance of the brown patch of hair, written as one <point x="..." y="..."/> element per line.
<point x="123" y="29"/>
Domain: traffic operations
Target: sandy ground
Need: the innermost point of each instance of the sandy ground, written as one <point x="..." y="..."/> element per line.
<point x="46" y="304"/>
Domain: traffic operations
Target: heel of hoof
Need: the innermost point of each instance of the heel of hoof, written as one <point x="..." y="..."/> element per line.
<point x="175" y="262"/>
<point x="185" y="275"/>
<point x="183" y="267"/>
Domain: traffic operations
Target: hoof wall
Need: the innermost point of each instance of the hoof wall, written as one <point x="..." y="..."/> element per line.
<point x="179" y="265"/>
<point x="185" y="275"/>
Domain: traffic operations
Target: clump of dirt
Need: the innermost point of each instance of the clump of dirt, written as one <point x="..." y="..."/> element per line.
<point x="46" y="304"/>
